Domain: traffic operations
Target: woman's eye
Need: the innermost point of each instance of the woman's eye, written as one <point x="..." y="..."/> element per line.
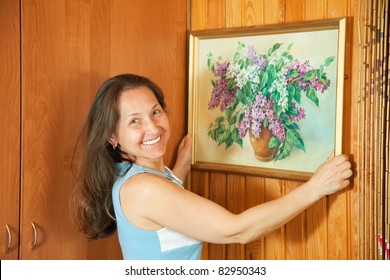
<point x="134" y="121"/>
<point x="156" y="112"/>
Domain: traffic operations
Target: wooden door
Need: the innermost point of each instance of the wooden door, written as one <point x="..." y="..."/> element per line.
<point x="69" y="47"/>
<point x="10" y="128"/>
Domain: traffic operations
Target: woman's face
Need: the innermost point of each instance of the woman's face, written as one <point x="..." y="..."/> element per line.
<point x="143" y="127"/>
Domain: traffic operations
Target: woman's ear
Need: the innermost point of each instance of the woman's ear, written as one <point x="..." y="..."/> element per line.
<point x="112" y="140"/>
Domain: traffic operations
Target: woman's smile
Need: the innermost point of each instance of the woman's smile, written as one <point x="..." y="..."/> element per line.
<point x="152" y="142"/>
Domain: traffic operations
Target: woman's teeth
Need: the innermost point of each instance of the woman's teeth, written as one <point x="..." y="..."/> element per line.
<point x="151" y="142"/>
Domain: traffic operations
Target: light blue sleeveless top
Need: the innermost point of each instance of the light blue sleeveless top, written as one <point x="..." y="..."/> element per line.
<point x="138" y="244"/>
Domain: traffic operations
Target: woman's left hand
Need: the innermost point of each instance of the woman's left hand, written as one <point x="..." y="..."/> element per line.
<point x="184" y="157"/>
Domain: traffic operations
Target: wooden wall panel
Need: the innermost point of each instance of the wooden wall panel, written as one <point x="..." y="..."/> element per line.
<point x="218" y="195"/>
<point x="327" y="229"/>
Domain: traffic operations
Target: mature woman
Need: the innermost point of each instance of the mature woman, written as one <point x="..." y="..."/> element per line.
<point x="125" y="185"/>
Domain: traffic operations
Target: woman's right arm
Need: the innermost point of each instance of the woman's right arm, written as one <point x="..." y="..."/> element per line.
<point x="165" y="204"/>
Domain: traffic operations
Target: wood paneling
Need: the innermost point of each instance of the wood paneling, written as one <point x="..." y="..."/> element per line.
<point x="327" y="229"/>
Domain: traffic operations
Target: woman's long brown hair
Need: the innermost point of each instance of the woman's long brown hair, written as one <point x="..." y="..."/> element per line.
<point x="92" y="205"/>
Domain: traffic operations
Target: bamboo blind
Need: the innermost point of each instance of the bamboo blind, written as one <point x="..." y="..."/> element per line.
<point x="373" y="130"/>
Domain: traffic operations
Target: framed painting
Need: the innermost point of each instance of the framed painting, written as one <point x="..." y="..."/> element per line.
<point x="267" y="100"/>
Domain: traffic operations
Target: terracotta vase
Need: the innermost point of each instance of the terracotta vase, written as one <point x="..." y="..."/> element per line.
<point x="260" y="145"/>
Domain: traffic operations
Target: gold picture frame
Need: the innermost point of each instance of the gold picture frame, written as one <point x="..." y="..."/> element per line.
<point x="287" y="79"/>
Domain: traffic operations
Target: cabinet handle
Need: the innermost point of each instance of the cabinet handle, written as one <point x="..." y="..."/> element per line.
<point x="9" y="244"/>
<point x="35" y="235"/>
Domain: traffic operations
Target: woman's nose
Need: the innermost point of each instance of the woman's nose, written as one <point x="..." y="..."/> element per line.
<point x="151" y="126"/>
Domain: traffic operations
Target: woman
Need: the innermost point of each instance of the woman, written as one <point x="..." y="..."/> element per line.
<point x="125" y="185"/>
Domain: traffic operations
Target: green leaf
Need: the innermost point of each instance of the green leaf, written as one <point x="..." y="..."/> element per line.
<point x="265" y="122"/>
<point x="273" y="142"/>
<point x="233" y="120"/>
<point x="320" y="71"/>
<point x="286" y="119"/>
<point x="291" y="111"/>
<point x="293" y="73"/>
<point x="275" y="95"/>
<point x="264" y="81"/>
<point x="298" y="93"/>
<point x="208" y="62"/>
<point x="231" y="84"/>
<point x="212" y="82"/>
<point x="292" y="126"/>
<point x="219" y="120"/>
<point x="240" y="96"/>
<point x="329" y="60"/>
<point x="279" y="64"/>
<point x="323" y="78"/>
<point x="295" y="139"/>
<point x="228" y="114"/>
<point x="274" y="48"/>
<point x="283" y="152"/>
<point x="221" y="129"/>
<point x="229" y="143"/>
<point x="271" y="75"/>
<point x="277" y="110"/>
<point x="291" y="90"/>
<point x="309" y="76"/>
<point x="236" y="56"/>
<point x="236" y="138"/>
<point x="312" y="95"/>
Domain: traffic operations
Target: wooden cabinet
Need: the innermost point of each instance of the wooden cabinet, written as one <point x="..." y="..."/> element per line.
<point x="54" y="55"/>
<point x="10" y="128"/>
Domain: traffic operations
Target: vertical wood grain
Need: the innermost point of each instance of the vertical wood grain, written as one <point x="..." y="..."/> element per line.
<point x="315" y="9"/>
<point x="253" y="12"/>
<point x="274" y="242"/>
<point x="295" y="248"/>
<point x="295" y="11"/>
<point x="352" y="86"/>
<point x="316" y="231"/>
<point x="236" y="204"/>
<point x="9" y="126"/>
<point x="254" y="195"/>
<point x="234" y="13"/>
<point x="199" y="16"/>
<point x="216" y="14"/>
<point x="200" y="186"/>
<point x="274" y="11"/>
<point x="218" y="194"/>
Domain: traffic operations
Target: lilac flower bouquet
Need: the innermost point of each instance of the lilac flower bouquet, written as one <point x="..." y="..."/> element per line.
<point x="255" y="92"/>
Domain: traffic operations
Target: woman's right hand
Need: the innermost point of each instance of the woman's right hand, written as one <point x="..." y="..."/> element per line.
<point x="332" y="176"/>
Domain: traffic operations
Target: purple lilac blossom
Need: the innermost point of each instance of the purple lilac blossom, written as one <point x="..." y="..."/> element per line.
<point x="300" y="113"/>
<point x="221" y="96"/>
<point x="319" y="85"/>
<point x="254" y="117"/>
<point x="256" y="60"/>
<point x="244" y="124"/>
<point x="221" y="69"/>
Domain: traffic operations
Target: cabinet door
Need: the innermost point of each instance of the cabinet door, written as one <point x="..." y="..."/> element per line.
<point x="69" y="47"/>
<point x="10" y="128"/>
<point x="55" y="98"/>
